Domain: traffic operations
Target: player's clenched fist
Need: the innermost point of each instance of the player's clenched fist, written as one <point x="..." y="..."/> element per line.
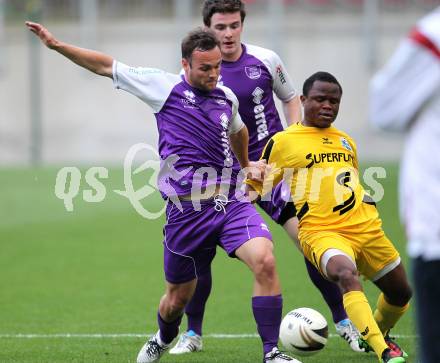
<point x="256" y="170"/>
<point x="46" y="37"/>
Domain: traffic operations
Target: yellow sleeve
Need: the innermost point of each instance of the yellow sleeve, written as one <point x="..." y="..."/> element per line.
<point x="273" y="156"/>
<point x="355" y="159"/>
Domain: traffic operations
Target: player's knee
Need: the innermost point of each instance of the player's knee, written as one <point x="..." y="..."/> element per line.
<point x="177" y="302"/>
<point x="400" y="296"/>
<point x="264" y="267"/>
<point x="348" y="279"/>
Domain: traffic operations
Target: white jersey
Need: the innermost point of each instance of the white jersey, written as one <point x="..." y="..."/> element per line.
<point x="405" y="95"/>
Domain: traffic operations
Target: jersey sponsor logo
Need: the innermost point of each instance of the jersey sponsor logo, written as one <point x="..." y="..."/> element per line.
<point x="190" y="96"/>
<point x="346" y="144"/>
<point x="326" y="141"/>
<point x="328" y="158"/>
<point x="190" y="99"/>
<point x="220" y="101"/>
<point x="258" y="95"/>
<point x="280" y="74"/>
<point x="253" y="72"/>
<point x="144" y="71"/>
<point x="224" y="122"/>
<point x="260" y="117"/>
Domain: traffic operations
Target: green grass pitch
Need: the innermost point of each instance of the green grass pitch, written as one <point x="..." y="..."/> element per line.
<point x="98" y="270"/>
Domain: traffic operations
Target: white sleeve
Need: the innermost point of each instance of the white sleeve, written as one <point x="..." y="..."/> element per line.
<point x="152" y="86"/>
<point x="282" y="84"/>
<point x="236" y="124"/>
<point x="403" y="86"/>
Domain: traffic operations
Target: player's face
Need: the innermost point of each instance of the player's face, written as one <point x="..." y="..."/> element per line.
<point x="204" y="70"/>
<point x="228" y="28"/>
<point x="321" y="106"/>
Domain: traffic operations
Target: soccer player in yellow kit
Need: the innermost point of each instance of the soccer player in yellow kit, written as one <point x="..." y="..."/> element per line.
<point x="340" y="231"/>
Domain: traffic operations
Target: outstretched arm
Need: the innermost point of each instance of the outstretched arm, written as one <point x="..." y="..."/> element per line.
<point x="94" y="61"/>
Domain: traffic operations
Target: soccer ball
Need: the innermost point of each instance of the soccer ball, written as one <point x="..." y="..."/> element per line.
<point x="304" y="331"/>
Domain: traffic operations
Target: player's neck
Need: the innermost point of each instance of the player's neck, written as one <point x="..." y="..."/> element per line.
<point x="306" y="123"/>
<point x="234" y="56"/>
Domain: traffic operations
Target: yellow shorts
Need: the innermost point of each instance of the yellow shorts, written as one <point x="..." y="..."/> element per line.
<point x="366" y="244"/>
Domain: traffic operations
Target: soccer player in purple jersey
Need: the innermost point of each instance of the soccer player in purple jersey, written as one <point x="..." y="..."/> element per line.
<point x="199" y="128"/>
<point x="254" y="74"/>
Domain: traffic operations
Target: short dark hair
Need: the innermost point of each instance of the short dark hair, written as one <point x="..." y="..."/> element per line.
<point x="198" y="39"/>
<point x="319" y="76"/>
<point x="210" y="7"/>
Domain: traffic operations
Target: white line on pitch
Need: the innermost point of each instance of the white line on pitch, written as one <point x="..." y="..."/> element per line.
<point x="131" y="335"/>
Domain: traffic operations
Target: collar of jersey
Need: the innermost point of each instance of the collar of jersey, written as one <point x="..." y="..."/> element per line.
<point x="228" y="64"/>
<point x="304" y="127"/>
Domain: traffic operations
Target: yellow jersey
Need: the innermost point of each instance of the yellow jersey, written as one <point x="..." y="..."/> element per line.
<point x="321" y="168"/>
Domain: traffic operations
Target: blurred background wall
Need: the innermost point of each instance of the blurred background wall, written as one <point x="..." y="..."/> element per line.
<point x="53" y="112"/>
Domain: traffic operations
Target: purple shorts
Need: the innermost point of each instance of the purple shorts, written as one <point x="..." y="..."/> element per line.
<point x="191" y="236"/>
<point x="277" y="208"/>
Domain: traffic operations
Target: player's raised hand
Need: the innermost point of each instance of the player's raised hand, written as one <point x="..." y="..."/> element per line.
<point x="96" y="62"/>
<point x="40" y="31"/>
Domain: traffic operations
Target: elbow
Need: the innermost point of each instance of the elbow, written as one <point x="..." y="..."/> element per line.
<point x="104" y="71"/>
<point x="103" y="66"/>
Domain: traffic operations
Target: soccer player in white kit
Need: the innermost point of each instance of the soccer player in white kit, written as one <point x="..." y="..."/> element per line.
<point x="405" y="97"/>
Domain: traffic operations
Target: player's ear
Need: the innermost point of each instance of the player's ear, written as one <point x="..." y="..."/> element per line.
<point x="185" y="65"/>
<point x="302" y="98"/>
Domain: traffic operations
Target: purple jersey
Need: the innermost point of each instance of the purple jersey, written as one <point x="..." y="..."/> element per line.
<point x="193" y="126"/>
<point x="254" y="77"/>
